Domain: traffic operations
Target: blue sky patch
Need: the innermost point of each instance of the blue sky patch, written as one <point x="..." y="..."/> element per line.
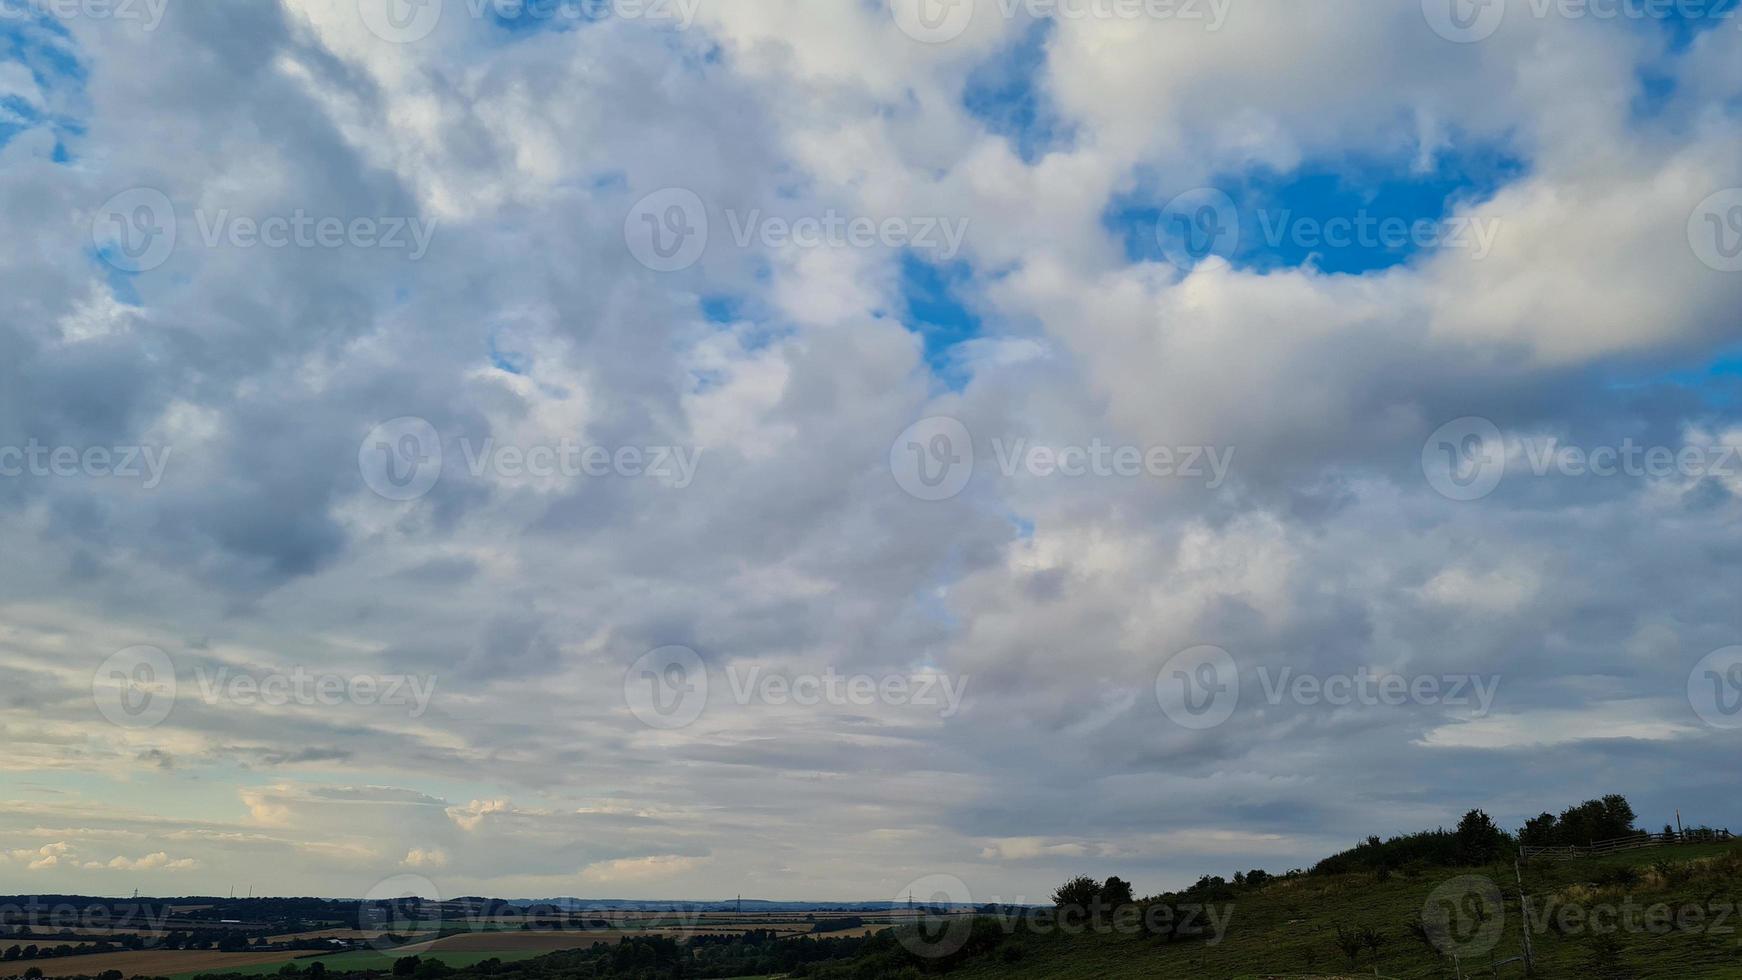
<point x="937" y="310"/>
<point x="45" y="48"/>
<point x="1345" y="217"/>
<point x="1007" y="95"/>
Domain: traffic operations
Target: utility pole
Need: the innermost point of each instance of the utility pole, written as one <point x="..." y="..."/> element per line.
<point x="1680" y="834"/>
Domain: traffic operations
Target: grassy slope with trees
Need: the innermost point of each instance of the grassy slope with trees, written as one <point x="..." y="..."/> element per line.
<point x="1364" y="912"/>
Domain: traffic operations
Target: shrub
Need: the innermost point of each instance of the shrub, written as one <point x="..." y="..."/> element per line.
<point x="1349" y="941"/>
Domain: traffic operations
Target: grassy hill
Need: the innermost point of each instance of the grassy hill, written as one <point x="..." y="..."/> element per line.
<point x="1643" y="902"/>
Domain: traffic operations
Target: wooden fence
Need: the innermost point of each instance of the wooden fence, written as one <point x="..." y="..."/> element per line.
<point x="1632" y="843"/>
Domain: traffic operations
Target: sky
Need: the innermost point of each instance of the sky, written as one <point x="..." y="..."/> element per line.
<point x="797" y="448"/>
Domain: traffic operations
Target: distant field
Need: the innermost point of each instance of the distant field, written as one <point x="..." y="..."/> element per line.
<point x="491" y="941"/>
<point x="149" y="963"/>
<point x="372" y="960"/>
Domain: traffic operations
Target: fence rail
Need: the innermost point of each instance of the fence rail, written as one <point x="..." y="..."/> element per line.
<point x="1632" y="843"/>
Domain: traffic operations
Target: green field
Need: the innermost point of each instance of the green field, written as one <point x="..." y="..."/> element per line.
<point x="1288" y="928"/>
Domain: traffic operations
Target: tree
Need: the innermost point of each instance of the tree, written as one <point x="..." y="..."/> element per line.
<point x="1539" y="831"/>
<point x="406" y="966"/>
<point x="1116" y="893"/>
<point x="1079" y="892"/>
<point x="34" y="973"/>
<point x="1479" y="840"/>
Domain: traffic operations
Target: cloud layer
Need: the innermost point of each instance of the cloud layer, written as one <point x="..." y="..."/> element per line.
<point x="456" y="415"/>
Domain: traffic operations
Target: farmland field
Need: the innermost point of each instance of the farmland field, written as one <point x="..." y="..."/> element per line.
<point x="153" y="963"/>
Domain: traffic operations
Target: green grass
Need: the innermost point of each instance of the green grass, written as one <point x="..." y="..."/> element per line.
<point x="1287" y="929"/>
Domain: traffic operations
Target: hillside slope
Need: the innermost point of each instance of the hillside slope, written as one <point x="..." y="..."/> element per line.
<point x="1661" y="913"/>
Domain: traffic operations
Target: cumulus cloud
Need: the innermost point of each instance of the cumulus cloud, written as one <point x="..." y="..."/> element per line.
<point x="523" y="597"/>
